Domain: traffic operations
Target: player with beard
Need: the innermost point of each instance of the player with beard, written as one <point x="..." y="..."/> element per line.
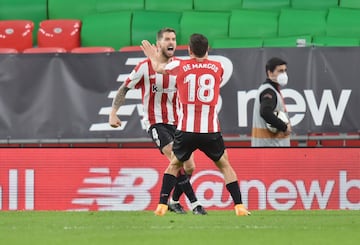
<point x="159" y="98"/>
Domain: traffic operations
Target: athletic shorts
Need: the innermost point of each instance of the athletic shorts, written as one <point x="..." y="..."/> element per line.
<point x="185" y="143"/>
<point x="162" y="134"/>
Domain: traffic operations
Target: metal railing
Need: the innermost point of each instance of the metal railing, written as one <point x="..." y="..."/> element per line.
<point x="302" y="140"/>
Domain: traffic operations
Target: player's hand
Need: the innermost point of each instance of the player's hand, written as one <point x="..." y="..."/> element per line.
<point x="114" y="121"/>
<point x="288" y="130"/>
<point x="286" y="133"/>
<point x="149" y="50"/>
<point x="154" y="55"/>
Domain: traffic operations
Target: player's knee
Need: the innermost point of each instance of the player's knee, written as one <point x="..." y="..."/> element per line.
<point x="189" y="170"/>
<point x="167" y="151"/>
<point x="189" y="167"/>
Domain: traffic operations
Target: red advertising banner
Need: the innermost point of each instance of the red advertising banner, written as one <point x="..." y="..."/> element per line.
<point x="130" y="179"/>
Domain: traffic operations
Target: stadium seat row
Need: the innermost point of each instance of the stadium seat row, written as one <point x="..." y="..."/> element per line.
<point x="238" y="28"/>
<point x="54" y="36"/>
<point x="76" y="9"/>
<point x="78" y="50"/>
<point x="253" y="28"/>
<point x="37" y="10"/>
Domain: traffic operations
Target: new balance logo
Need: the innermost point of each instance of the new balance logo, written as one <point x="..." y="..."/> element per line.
<point x="129" y="190"/>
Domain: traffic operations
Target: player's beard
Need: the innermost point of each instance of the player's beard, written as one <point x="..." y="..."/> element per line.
<point x="167" y="54"/>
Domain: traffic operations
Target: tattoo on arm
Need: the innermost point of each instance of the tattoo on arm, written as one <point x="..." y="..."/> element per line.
<point x="119" y="99"/>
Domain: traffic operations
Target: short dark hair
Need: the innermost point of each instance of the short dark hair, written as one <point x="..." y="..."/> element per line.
<point x="198" y="44"/>
<point x="273" y="63"/>
<point x="162" y="31"/>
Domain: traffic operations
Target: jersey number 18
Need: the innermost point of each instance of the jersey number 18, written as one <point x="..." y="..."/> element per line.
<point x="205" y="90"/>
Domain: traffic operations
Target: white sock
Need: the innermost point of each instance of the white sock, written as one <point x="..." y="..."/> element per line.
<point x="195" y="204"/>
<point x="172" y="201"/>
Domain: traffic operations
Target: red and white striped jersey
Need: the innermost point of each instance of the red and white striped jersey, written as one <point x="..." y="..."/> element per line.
<point x="198" y="85"/>
<point x="158" y="92"/>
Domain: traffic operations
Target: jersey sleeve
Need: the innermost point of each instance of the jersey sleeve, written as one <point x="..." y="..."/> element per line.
<point x="173" y="67"/>
<point x="136" y="76"/>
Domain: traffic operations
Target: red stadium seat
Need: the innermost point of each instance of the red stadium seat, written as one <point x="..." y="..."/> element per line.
<point x="44" y="50"/>
<point x="95" y="49"/>
<point x="8" y="51"/>
<point x="63" y="33"/>
<point x="16" y="34"/>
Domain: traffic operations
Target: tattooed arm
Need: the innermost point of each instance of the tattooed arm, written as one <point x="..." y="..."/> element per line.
<point x="118" y="101"/>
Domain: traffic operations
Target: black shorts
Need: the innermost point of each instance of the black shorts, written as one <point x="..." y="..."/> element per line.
<point x="185" y="143"/>
<point x="162" y="134"/>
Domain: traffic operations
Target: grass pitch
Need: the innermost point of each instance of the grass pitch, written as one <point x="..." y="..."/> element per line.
<point x="218" y="227"/>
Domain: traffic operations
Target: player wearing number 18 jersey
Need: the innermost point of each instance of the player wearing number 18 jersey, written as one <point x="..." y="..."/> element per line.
<point x="198" y="85"/>
<point x="159" y="99"/>
<point x="198" y="81"/>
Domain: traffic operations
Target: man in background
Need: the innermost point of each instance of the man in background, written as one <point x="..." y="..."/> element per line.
<point x="268" y="104"/>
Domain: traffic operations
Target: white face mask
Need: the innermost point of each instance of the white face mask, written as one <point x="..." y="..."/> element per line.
<point x="282" y="79"/>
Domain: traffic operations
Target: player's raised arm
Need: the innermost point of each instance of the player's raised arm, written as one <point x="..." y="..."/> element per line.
<point x="152" y="53"/>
